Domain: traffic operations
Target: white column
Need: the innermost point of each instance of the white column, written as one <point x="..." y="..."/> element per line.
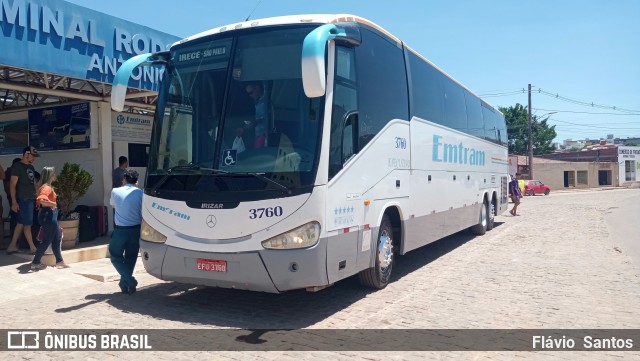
<point x="104" y="121"/>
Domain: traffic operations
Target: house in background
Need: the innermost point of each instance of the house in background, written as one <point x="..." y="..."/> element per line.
<point x="602" y="164"/>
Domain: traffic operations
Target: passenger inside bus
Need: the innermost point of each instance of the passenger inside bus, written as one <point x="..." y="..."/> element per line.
<point x="259" y="124"/>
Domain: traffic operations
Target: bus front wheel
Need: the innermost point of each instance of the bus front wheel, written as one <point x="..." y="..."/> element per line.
<point x="378" y="276"/>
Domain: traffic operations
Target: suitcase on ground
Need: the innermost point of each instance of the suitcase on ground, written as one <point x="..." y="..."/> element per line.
<point x="88" y="229"/>
<point x="102" y="221"/>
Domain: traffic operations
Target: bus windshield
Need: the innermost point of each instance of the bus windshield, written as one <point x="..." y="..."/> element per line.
<point x="231" y="108"/>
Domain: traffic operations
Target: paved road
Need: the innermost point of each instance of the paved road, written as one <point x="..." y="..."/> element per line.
<point x="555" y="266"/>
<point x="623" y="220"/>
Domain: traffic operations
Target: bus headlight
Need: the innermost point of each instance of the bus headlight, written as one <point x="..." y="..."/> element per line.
<point x="149" y="234"/>
<point x="301" y="237"/>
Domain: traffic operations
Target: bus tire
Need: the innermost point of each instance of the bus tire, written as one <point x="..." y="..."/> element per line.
<point x="481" y="228"/>
<point x="491" y="216"/>
<point x="378" y="276"/>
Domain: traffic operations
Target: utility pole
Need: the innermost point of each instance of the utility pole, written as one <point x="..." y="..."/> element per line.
<point x="530" y="138"/>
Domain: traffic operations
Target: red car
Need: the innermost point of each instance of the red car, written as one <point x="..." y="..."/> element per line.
<point x="533" y="187"/>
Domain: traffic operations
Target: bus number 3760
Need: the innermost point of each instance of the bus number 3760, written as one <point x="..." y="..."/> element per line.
<point x="265" y="212"/>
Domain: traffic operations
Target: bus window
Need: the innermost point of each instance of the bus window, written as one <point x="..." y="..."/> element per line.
<point x="345" y="100"/>
<point x="382" y="84"/>
<point x="454" y="107"/>
<point x="427" y="95"/>
<point x="490" y="133"/>
<point x="475" y="122"/>
<point x="349" y="137"/>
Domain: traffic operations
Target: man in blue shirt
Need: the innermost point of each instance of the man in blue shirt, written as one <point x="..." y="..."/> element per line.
<point x="125" y="240"/>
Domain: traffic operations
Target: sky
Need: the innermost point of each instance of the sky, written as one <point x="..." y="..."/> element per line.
<point x="581" y="57"/>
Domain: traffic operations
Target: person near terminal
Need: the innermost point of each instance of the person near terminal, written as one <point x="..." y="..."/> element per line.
<point x="7" y="189"/>
<point x="514" y="192"/>
<point x="48" y="219"/>
<point x="118" y="173"/>
<point x="125" y="239"/>
<point x="2" y="176"/>
<point x="23" y="197"/>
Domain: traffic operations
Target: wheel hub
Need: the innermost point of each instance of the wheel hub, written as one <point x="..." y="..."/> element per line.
<point x="385" y="250"/>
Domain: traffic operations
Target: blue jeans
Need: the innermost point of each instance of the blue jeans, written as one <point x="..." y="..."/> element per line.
<point x="25" y="213"/>
<point x="123" y="248"/>
<point x="48" y="219"/>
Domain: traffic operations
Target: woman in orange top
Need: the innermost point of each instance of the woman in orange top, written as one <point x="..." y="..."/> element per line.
<point x="48" y="218"/>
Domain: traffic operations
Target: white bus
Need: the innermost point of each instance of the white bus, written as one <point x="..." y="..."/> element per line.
<point x="293" y="152"/>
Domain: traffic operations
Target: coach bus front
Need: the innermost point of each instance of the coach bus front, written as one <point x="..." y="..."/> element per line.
<point x="231" y="195"/>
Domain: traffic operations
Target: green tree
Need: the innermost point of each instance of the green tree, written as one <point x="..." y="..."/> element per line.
<point x="516" y="118"/>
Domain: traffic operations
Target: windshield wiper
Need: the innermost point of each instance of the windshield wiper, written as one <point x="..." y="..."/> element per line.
<point x="189" y="166"/>
<point x="266" y="179"/>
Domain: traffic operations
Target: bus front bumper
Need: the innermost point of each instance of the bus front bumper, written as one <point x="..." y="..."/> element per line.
<point x="266" y="270"/>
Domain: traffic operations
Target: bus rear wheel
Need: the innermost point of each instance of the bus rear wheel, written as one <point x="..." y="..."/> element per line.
<point x="481" y="228"/>
<point x="491" y="212"/>
<point x="378" y="276"/>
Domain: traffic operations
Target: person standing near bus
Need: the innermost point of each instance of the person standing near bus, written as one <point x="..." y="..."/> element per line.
<point x="125" y="239"/>
<point x="118" y="173"/>
<point x="514" y="192"/>
<point x="23" y="197"/>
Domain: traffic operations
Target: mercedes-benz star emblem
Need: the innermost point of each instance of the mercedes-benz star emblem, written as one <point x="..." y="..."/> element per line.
<point x="211" y="221"/>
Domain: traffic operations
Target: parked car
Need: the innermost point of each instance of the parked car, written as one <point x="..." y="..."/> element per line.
<point x="533" y="187"/>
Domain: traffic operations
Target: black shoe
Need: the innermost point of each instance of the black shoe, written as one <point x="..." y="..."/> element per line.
<point x="131" y="290"/>
<point x="124" y="290"/>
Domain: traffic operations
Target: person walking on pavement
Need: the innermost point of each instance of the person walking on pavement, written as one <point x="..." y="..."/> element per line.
<point x="125" y="239"/>
<point x="514" y="192"/>
<point x="23" y="197"/>
<point x="48" y="219"/>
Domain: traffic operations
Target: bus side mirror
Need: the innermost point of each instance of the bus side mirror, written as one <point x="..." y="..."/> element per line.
<point x="313" y="59"/>
<point x="121" y="80"/>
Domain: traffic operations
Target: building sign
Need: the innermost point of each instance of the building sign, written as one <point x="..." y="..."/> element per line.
<point x="131" y="128"/>
<point x="629" y="163"/>
<point x="14" y="132"/>
<point x="66" y="39"/>
<point x="61" y="127"/>
<point x="629" y="153"/>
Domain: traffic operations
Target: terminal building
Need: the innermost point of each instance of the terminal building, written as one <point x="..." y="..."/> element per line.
<point x="57" y="61"/>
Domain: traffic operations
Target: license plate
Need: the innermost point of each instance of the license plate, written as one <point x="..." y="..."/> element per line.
<point x="211" y="265"/>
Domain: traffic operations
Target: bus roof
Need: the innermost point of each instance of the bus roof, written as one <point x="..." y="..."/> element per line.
<point x="290" y="19"/>
<point x="318" y="19"/>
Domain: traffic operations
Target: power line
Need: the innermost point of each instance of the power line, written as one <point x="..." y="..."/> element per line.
<point x="574" y="112"/>
<point x="579" y="102"/>
<point x="559" y="97"/>
<point x="493" y="95"/>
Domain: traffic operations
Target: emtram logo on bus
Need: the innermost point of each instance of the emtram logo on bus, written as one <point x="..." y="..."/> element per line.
<point x="170" y="211"/>
<point x="456" y="153"/>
